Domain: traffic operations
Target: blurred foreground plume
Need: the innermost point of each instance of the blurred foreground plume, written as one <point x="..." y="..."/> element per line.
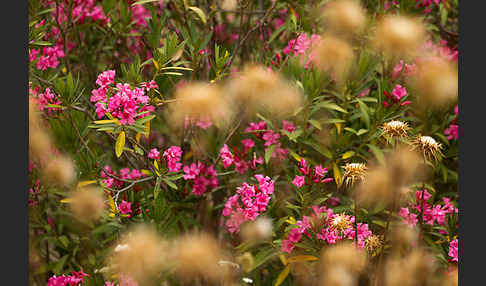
<point x="87" y="204"/>
<point x="345" y="17"/>
<point x="341" y="265"/>
<point x="399" y="36"/>
<point x="257" y="89"/>
<point x="141" y="255"/>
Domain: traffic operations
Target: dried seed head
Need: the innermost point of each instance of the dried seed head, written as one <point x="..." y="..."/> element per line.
<point x="200" y="100"/>
<point x="256" y="231"/>
<point x="354" y="172"/>
<point x="399" y="36"/>
<point x="346" y="255"/>
<point x="428" y="146"/>
<point x="334" y="55"/>
<point x="345" y="16"/>
<point x="60" y="171"/>
<point x="373" y="243"/>
<point x="207" y="251"/>
<point x="340" y="223"/>
<point x="436" y="82"/>
<point x="141" y="255"/>
<point x="87" y="204"/>
<point x="395" y="129"/>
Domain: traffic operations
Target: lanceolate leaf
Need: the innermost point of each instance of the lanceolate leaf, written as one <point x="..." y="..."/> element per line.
<point x="120" y="143"/>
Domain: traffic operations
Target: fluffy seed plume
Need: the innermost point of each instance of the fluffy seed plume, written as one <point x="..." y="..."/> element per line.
<point x="256" y="231"/>
<point x="341" y="264"/>
<point x="376" y="187"/>
<point x="345" y="16"/>
<point x="395" y="129"/>
<point x="353" y="172"/>
<point x="414" y="269"/>
<point x="402" y="236"/>
<point x="335" y="56"/>
<point x="257" y="88"/>
<point x="39" y="143"/>
<point x="87" y="204"/>
<point x="451" y="278"/>
<point x="399" y="36"/>
<point x="60" y="170"/>
<point x="197" y="255"/>
<point x="436" y="82"/>
<point x="141" y="254"/>
<point x="428" y="146"/>
<point x="200" y="100"/>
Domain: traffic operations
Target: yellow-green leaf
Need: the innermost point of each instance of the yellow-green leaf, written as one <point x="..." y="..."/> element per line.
<point x="66" y="200"/>
<point x="300" y="258"/>
<point x="283" y="259"/>
<point x="337" y="174"/>
<point x="156" y="64"/>
<point x="116" y="121"/>
<point x="199" y="12"/>
<point x="120" y="143"/>
<point x="85" y="183"/>
<point x="348" y="154"/>
<point x="146" y="172"/>
<point x="281" y="277"/>
<point x="156" y="165"/>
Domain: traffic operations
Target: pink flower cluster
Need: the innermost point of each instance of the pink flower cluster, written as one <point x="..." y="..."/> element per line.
<point x="269" y="137"/>
<point x="82" y="11"/>
<point x="203" y="122"/>
<point x="427" y="4"/>
<point x="396" y="96"/>
<point x="124" y="174"/>
<point x="46" y="98"/>
<point x="203" y="177"/>
<point x="452" y="131"/>
<point x="319" y="224"/>
<point x="432" y="213"/>
<point x="121" y="101"/>
<point x="248" y="202"/>
<point x="72" y="280"/>
<point x="49" y="58"/>
<point x="125" y="207"/>
<point x="405" y="70"/>
<point x="172" y="156"/>
<point x="302" y="46"/>
<point x="316" y="177"/>
<point x="454" y="250"/>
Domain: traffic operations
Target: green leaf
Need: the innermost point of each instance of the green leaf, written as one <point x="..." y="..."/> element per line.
<point x="365" y="112"/>
<point x="269" y="152"/>
<point x="170" y="183"/>
<point x="138" y="150"/>
<point x="64" y="240"/>
<point x="377" y="152"/>
<point x="120" y="143"/>
<point x="143" y="2"/>
<point x="281" y="277"/>
<point x="316" y="124"/>
<point x="330" y="105"/>
<point x="361" y="132"/>
<point x="199" y="12"/>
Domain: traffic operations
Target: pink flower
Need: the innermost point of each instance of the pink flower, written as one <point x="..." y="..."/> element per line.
<point x="452" y="132"/>
<point x="125" y="207"/>
<point x="364" y="92"/>
<point x="298" y="181"/>
<point x="226" y="156"/>
<point x="204" y="123"/>
<point x="287" y="246"/>
<point x="270" y="137"/>
<point x="106" y="78"/>
<point x="247" y="144"/>
<point x="399" y="92"/>
<point x="454" y="250"/>
<point x="191" y="171"/>
<point x="456" y="109"/>
<point x="289" y="126"/>
<point x="154" y="154"/>
<point x="294" y="235"/>
<point x="173" y="155"/>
